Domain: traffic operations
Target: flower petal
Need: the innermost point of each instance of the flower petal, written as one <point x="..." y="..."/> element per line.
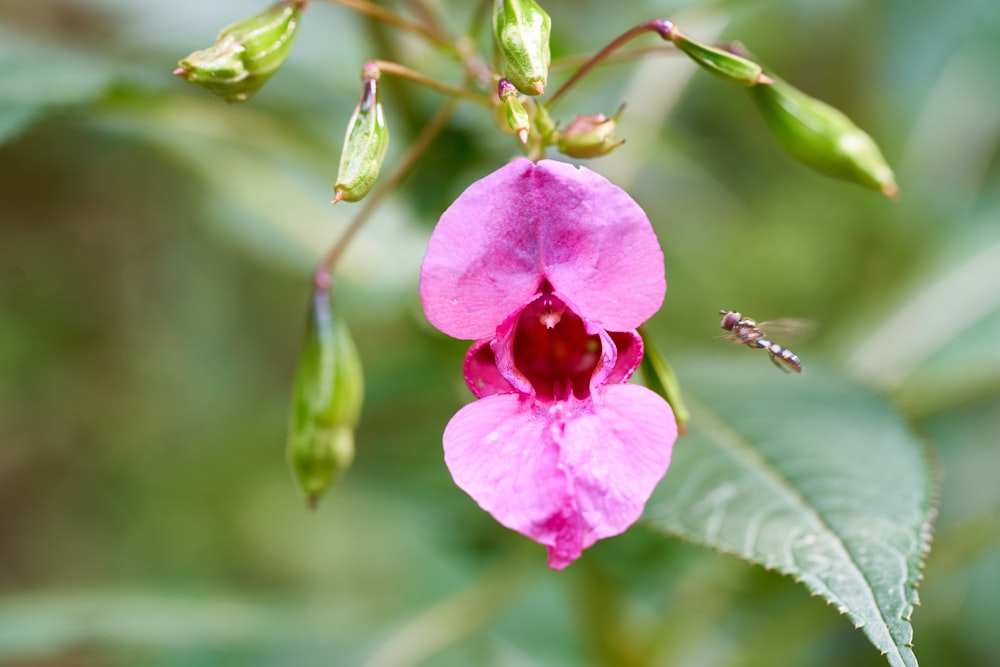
<point x="528" y="222"/>
<point x="564" y="474"/>
<point x="497" y="451"/>
<point x="597" y="246"/>
<point x="482" y="259"/>
<point x="630" y="348"/>
<point x="481" y="373"/>
<point x="617" y="454"/>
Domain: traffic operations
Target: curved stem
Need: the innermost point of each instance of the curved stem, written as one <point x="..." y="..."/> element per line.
<point x="661" y="26"/>
<point x="382" y="14"/>
<point x="421" y="9"/>
<point x="569" y="62"/>
<point x="321" y="277"/>
<point x="395" y="69"/>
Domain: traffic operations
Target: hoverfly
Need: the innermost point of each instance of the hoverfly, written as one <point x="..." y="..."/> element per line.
<point x="747" y="332"/>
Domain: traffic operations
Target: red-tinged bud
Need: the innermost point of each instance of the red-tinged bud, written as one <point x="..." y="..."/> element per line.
<point x="516" y="118"/>
<point x="245" y="54"/>
<point x="365" y="142"/>
<point x="590" y="136"/>
<point x="521" y="29"/>
<point x="326" y="400"/>
<point x="823" y="137"/>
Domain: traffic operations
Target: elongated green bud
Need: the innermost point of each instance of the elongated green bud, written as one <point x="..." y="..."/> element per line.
<point x="823" y="137"/>
<point x="245" y="54"/>
<point x="515" y="115"/>
<point x="521" y="29"/>
<point x="729" y="66"/>
<point x="365" y="142"/>
<point x="660" y="378"/>
<point x="326" y="400"/>
<point x="590" y="136"/>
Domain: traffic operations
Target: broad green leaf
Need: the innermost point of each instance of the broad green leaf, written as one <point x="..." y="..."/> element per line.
<point x="809" y="475"/>
<point x="37" y="78"/>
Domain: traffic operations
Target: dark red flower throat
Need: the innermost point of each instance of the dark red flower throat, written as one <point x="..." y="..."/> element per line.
<point x="553" y="349"/>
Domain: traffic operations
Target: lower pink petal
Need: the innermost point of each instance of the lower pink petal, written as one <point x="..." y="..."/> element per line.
<point x="564" y="474"/>
<point x="617" y="454"/>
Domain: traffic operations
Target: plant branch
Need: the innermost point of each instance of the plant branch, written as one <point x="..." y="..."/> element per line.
<point x="403" y="72"/>
<point x="321" y="277"/>
<point x="662" y="27"/>
<point x="382" y="14"/>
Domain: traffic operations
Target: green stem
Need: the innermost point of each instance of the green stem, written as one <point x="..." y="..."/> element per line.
<point x="662" y="27"/>
<point x="569" y="62"/>
<point x="421" y="9"/>
<point x="382" y="14"/>
<point x="403" y="72"/>
<point x="323" y="272"/>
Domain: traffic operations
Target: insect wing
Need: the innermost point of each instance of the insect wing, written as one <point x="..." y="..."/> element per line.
<point x="787" y="328"/>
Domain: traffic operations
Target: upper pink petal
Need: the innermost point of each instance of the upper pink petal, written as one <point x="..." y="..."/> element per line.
<point x="527" y="222"/>
<point x="565" y="474"/>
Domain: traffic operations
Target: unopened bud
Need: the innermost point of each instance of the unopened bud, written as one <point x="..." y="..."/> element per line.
<point x="521" y="29"/>
<point x="590" y="136"/>
<point x="515" y="116"/>
<point x="245" y="54"/>
<point x="823" y="137"/>
<point x="365" y="142"/>
<point x="725" y="65"/>
<point x="326" y="401"/>
<point x="660" y="378"/>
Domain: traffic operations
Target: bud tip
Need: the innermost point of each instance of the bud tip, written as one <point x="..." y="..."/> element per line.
<point x="522" y="134"/>
<point x="338" y="194"/>
<point x="322" y="280"/>
<point x="663" y="27"/>
<point x="763" y="78"/>
<point x="180" y="71"/>
<point x="891" y="190"/>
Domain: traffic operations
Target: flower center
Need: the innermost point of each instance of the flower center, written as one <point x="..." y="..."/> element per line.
<point x="553" y="349"/>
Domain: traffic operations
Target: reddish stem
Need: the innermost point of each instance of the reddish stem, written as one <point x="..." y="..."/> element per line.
<point x="662" y="27"/>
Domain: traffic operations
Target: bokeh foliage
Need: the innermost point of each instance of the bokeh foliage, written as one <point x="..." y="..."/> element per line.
<point x="155" y="248"/>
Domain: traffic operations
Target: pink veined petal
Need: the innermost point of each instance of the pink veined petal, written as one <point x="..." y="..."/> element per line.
<point x="630" y="349"/>
<point x="528" y="222"/>
<point x="482" y="259"/>
<point x="497" y="452"/>
<point x="616" y="456"/>
<point x="481" y="373"/>
<point x="597" y="246"/>
<point x="564" y="474"/>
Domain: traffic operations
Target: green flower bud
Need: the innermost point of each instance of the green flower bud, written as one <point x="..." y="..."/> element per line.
<point x="521" y="29"/>
<point x="365" y="142"/>
<point x="660" y="378"/>
<point x="515" y="116"/>
<point x="326" y="401"/>
<point x="245" y="54"/>
<point x="823" y="137"/>
<point x="725" y="65"/>
<point x="590" y="136"/>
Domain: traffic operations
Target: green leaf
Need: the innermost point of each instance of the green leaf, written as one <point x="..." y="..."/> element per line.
<point x="37" y="78"/>
<point x="812" y="476"/>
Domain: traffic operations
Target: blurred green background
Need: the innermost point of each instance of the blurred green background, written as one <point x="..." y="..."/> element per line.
<point x="155" y="249"/>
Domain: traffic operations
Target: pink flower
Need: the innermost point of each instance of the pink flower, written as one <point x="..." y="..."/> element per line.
<point x="550" y="269"/>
